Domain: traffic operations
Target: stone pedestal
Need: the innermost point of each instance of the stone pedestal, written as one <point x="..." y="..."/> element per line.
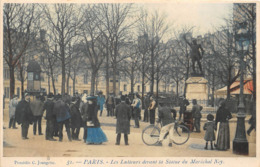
<point x="197" y="88"/>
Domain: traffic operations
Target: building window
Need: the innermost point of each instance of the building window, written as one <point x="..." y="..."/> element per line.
<point x="7" y="91"/>
<point x="30" y="76"/>
<point x="138" y="88"/>
<point x="125" y="87"/>
<point x="85" y="91"/>
<point x="6" y="74"/>
<point x="42" y="77"/>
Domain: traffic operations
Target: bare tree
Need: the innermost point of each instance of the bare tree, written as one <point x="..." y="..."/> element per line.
<point x="247" y="12"/>
<point x="78" y="63"/>
<point x="116" y="21"/>
<point x="93" y="43"/>
<point x="144" y="63"/>
<point x="20" y="25"/>
<point x="181" y="51"/>
<point x="155" y="26"/>
<point x="162" y="56"/>
<point x="225" y="56"/>
<point x="129" y="66"/>
<point x="63" y="21"/>
<point x="176" y="69"/>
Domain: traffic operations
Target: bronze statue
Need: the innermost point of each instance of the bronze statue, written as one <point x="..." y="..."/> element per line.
<point x="196" y="54"/>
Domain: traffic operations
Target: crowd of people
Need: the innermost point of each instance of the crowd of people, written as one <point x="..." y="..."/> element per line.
<point x="77" y="112"/>
<point x="82" y="111"/>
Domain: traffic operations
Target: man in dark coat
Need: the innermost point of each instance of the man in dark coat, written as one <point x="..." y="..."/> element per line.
<point x="183" y="106"/>
<point x="37" y="110"/>
<point x="50" y="117"/>
<point x="123" y="116"/>
<point x="23" y="115"/>
<point x="196" y="109"/>
<point x="76" y="120"/>
<point x="84" y="116"/>
<point x="62" y="113"/>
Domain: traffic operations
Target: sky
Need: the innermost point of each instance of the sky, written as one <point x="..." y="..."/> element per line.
<point x="206" y="17"/>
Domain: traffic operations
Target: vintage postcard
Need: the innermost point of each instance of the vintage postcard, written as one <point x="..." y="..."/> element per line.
<point x="129" y="83"/>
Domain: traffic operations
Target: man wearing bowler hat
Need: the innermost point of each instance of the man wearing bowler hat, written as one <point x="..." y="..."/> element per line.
<point x="123" y="116"/>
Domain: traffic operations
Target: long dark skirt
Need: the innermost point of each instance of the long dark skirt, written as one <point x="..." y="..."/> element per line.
<point x="95" y="135"/>
<point x="223" y="141"/>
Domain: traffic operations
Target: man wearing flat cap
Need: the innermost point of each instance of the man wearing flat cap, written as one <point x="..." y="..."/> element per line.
<point x="23" y="115"/>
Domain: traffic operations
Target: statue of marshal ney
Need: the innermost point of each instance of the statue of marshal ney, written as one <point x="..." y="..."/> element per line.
<point x="196" y="54"/>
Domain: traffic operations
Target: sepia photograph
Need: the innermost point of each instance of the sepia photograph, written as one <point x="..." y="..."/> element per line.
<point x="129" y="83"/>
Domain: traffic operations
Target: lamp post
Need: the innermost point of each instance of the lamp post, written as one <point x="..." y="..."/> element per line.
<point x="240" y="143"/>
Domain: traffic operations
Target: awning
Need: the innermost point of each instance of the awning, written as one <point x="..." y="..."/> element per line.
<point x="235" y="88"/>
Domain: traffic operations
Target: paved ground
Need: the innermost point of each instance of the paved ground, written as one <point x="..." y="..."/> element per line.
<point x="37" y="146"/>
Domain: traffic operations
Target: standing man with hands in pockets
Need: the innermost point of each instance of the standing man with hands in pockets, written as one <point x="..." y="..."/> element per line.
<point x="137" y="110"/>
<point x="152" y="110"/>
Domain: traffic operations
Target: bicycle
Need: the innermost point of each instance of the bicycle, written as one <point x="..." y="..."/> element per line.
<point x="151" y="133"/>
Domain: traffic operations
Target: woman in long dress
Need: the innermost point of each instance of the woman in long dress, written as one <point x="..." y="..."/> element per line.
<point x="223" y="115"/>
<point x="95" y="135"/>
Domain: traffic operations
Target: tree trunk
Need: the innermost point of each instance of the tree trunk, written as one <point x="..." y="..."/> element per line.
<point x="12" y="81"/>
<point x="107" y="72"/>
<point x="152" y="77"/>
<point x="74" y="83"/>
<point x="22" y="82"/>
<point x="132" y="79"/>
<point x="177" y="88"/>
<point x="114" y="78"/>
<point x="213" y="91"/>
<point x="228" y="84"/>
<point x="157" y="86"/>
<point x="53" y="81"/>
<point x="49" y="84"/>
<point x="63" y="80"/>
<point x="228" y="91"/>
<point x="96" y="83"/>
<point x="157" y="91"/>
<point x="68" y="83"/>
<point x="187" y="72"/>
<point x="93" y="80"/>
<point x="143" y="80"/>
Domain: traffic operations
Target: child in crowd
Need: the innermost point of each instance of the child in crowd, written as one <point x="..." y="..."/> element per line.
<point x="209" y="127"/>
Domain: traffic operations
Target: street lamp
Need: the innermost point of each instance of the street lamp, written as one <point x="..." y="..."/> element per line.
<point x="240" y="143"/>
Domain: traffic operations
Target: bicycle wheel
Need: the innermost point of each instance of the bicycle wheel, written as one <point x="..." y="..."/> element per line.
<point x="150" y="135"/>
<point x="181" y="134"/>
